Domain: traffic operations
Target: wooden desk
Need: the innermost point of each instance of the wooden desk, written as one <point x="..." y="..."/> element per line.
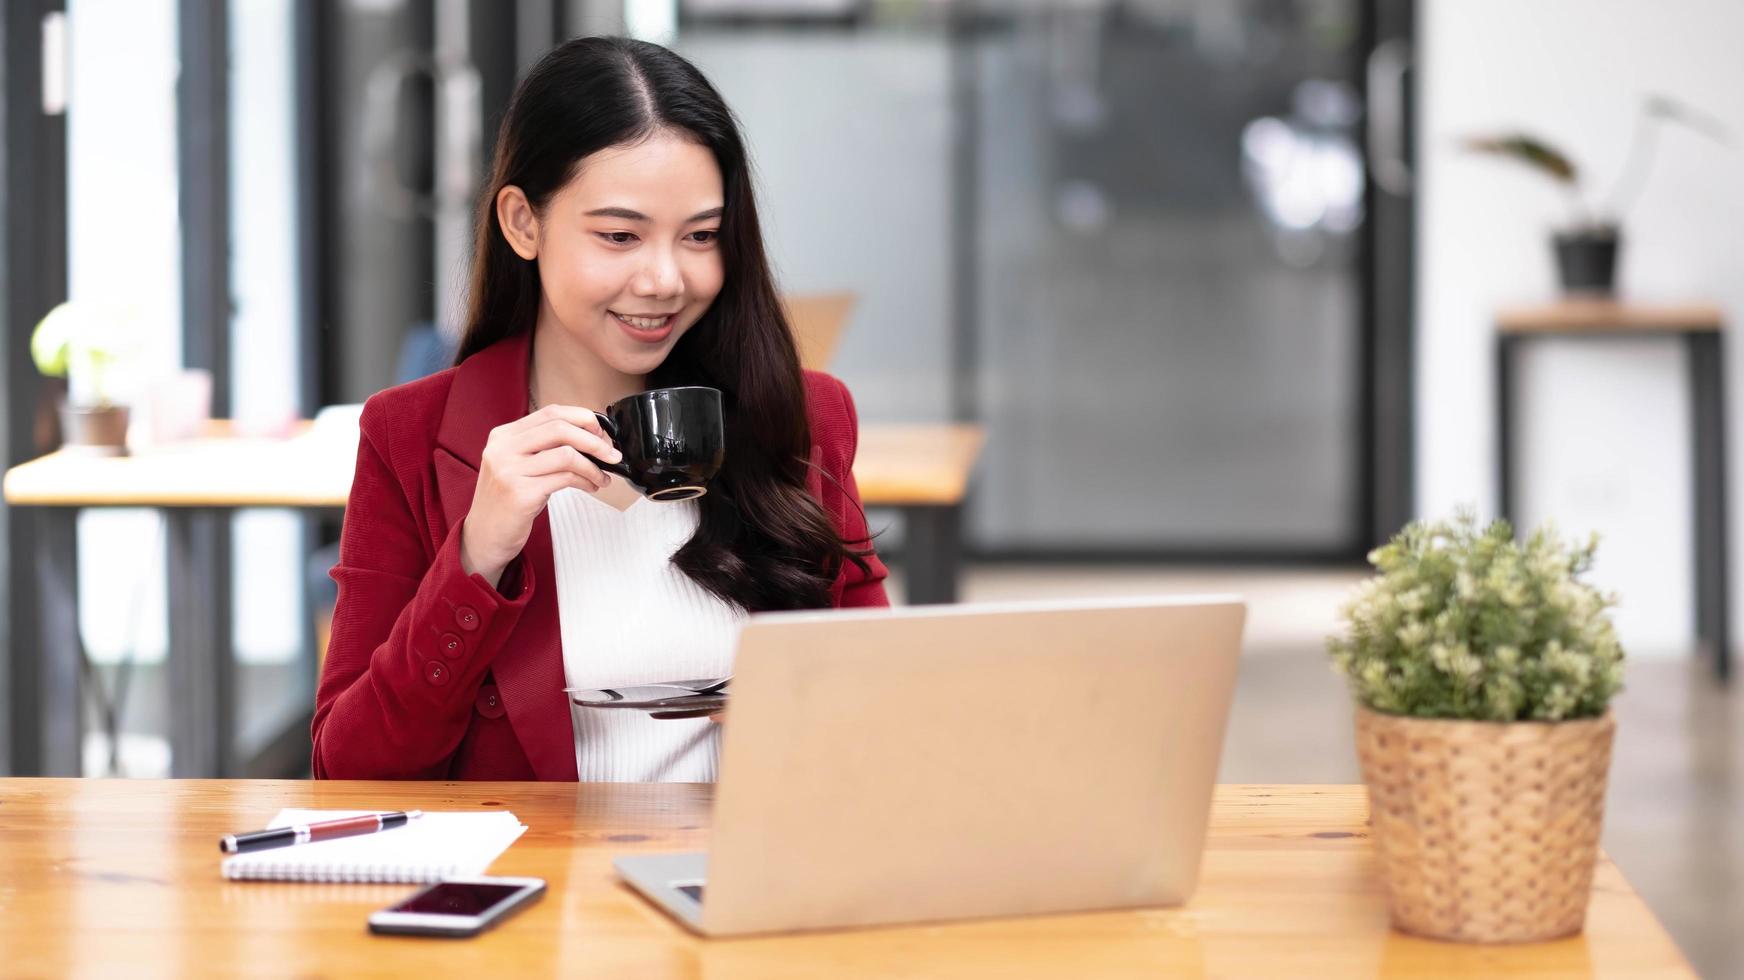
<point x="1699" y="326"/>
<point x="119" y="877"/>
<point x="1589" y="316"/>
<point x="902" y="466"/>
<point x="921" y="470"/>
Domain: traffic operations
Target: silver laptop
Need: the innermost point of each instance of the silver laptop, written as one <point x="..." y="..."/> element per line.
<point x="947" y="762"/>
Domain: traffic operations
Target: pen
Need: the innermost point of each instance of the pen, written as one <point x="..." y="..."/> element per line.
<point x="303" y="833"/>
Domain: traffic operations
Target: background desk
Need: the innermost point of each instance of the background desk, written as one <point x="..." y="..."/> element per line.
<point x="921" y="470"/>
<point x="1699" y="327"/>
<point x="120" y="877"/>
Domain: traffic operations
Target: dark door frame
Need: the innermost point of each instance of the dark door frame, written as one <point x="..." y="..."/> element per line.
<point x="198" y="542"/>
<point x="33" y="278"/>
<point x="1388" y="269"/>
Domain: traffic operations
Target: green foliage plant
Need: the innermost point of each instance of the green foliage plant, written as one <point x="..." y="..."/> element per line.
<point x="1543" y="157"/>
<point x="88" y="344"/>
<point x="1464" y="622"/>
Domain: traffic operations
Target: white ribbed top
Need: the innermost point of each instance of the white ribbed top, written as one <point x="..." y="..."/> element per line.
<point x="628" y="616"/>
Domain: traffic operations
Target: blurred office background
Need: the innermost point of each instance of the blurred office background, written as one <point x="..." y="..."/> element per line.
<point x="1214" y="274"/>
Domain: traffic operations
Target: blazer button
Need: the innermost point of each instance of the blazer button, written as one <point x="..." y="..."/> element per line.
<point x="467" y="617"/>
<point x="452" y="647"/>
<point x="489" y="702"/>
<point x="436" y="673"/>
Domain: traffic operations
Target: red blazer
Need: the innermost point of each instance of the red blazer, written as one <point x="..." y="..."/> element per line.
<point x="430" y="673"/>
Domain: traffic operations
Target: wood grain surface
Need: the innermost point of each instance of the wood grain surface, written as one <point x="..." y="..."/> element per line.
<point x="1576" y="316"/>
<point x="916" y="464"/>
<point x="120" y="878"/>
<point x="896" y="465"/>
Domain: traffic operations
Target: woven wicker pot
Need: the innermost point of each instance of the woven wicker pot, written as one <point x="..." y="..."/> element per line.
<point x="1487" y="831"/>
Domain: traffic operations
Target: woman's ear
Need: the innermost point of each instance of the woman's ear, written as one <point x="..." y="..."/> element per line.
<point x="520" y="225"/>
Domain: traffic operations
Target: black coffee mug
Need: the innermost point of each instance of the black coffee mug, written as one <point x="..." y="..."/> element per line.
<point x="672" y="439"/>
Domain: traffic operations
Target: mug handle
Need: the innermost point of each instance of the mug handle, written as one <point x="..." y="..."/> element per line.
<point x="620" y="468"/>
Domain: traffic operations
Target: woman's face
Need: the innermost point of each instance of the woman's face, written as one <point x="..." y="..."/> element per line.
<point x="628" y="250"/>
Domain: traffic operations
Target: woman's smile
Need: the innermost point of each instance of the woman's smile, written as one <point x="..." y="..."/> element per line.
<point x="647" y="330"/>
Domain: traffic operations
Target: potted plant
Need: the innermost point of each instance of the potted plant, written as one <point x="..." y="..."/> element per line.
<point x="87" y="346"/>
<point x="1483" y="669"/>
<point x="1587" y="246"/>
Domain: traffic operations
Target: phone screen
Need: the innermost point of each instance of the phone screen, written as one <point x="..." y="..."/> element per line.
<point x="457" y="898"/>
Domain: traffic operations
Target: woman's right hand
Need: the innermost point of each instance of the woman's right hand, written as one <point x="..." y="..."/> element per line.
<point x="524" y="463"/>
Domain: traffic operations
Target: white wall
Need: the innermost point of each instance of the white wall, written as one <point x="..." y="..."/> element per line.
<point x="817" y="107"/>
<point x="123" y="245"/>
<point x="1604" y="434"/>
<point x="267" y="546"/>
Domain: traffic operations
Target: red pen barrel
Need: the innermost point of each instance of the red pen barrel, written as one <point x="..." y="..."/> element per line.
<point x="367" y="823"/>
<point x="327" y="829"/>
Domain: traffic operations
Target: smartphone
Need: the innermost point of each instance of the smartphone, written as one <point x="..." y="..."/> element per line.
<point x="457" y="907"/>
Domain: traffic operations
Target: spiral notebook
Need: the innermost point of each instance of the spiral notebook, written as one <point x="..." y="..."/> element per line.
<point x="433" y="847"/>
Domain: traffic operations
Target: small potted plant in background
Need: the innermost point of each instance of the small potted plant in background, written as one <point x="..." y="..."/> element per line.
<point x="1483" y="669"/>
<point x="1587" y="247"/>
<point x="87" y="345"/>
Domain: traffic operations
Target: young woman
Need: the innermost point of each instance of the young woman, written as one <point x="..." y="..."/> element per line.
<point x="485" y="563"/>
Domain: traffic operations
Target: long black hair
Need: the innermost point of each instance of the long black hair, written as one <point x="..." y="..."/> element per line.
<point x="763" y="542"/>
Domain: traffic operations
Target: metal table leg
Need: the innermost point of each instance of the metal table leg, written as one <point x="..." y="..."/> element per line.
<point x="1505" y="427"/>
<point x="47" y="721"/>
<point x="934" y="547"/>
<point x="202" y="670"/>
<point x="1708" y="424"/>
